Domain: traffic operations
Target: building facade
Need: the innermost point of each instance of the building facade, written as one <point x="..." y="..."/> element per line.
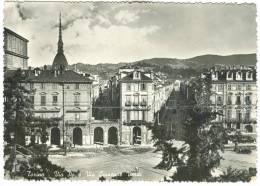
<point x="234" y="96"/>
<point x="15" y="51"/>
<point x="136" y="113"/>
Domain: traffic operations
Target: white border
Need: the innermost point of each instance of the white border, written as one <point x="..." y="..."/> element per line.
<point x="143" y="183"/>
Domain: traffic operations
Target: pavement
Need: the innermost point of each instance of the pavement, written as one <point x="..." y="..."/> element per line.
<point x="136" y="160"/>
<point x="107" y="163"/>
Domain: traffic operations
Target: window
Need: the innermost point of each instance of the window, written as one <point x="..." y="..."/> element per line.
<point x="238" y="101"/>
<point x="247" y="115"/>
<point x="143" y="87"/>
<point x="77" y="116"/>
<point x="76" y="86"/>
<point x="136" y="100"/>
<point x="31" y="86"/>
<point x="54" y="100"/>
<point x="229" y="87"/>
<point x="136" y="87"/>
<point x="229" y="74"/>
<point x="249" y="75"/>
<point x="239" y="115"/>
<point x="136" y="115"/>
<point x="42" y="86"/>
<point x="239" y="87"/>
<point x="144" y="115"/>
<point x="43" y="100"/>
<point x="128" y="118"/>
<point x="248" y="100"/>
<point x="220" y="87"/>
<point x="76" y="99"/>
<point x="229" y="100"/>
<point x="229" y="114"/>
<point x="143" y="100"/>
<point x="220" y="115"/>
<point x="54" y="86"/>
<point x="248" y="87"/>
<point x="219" y="100"/>
<point x="136" y="74"/>
<point x="128" y="86"/>
<point x="32" y="99"/>
<point x="213" y="87"/>
<point x="128" y="101"/>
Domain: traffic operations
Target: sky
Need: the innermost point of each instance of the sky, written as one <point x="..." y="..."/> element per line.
<point x="125" y="32"/>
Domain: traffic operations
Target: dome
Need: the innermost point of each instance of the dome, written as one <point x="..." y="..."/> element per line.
<point x="60" y="61"/>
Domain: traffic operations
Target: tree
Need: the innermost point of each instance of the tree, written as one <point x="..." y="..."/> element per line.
<point x="204" y="140"/>
<point x="17" y="106"/>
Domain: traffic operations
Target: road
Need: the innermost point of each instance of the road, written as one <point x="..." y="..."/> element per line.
<point x="111" y="162"/>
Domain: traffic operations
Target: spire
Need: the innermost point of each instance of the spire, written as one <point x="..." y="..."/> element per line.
<point x="60" y="61"/>
<point x="60" y="43"/>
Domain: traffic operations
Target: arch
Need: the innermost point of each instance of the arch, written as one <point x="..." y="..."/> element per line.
<point x="77" y="136"/>
<point x="55" y="136"/>
<point x="98" y="135"/>
<point x="112" y="136"/>
<point x="249" y="128"/>
<point x="137" y="135"/>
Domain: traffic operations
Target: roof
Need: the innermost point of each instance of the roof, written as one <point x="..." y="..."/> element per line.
<point x="48" y="76"/>
<point x="129" y="78"/>
<point x="222" y="74"/>
<point x="68" y="76"/>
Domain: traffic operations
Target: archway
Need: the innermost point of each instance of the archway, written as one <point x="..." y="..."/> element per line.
<point x="249" y="128"/>
<point x="137" y="135"/>
<point x="98" y="135"/>
<point x="77" y="136"/>
<point x="55" y="136"/>
<point x="112" y="136"/>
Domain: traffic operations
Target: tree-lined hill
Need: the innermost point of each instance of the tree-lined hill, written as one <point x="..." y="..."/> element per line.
<point x="171" y="66"/>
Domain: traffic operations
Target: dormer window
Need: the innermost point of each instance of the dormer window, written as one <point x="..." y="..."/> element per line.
<point x="136" y="75"/>
<point x="214" y="76"/>
<point x="249" y="76"/>
<point x="239" y="76"/>
<point x="229" y="75"/>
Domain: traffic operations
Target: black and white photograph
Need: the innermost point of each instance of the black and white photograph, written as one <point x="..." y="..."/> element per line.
<point x="129" y="91"/>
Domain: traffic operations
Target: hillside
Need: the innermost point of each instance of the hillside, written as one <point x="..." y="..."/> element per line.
<point x="173" y="67"/>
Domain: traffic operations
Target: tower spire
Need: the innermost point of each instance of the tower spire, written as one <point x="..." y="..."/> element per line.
<point x="60" y="43"/>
